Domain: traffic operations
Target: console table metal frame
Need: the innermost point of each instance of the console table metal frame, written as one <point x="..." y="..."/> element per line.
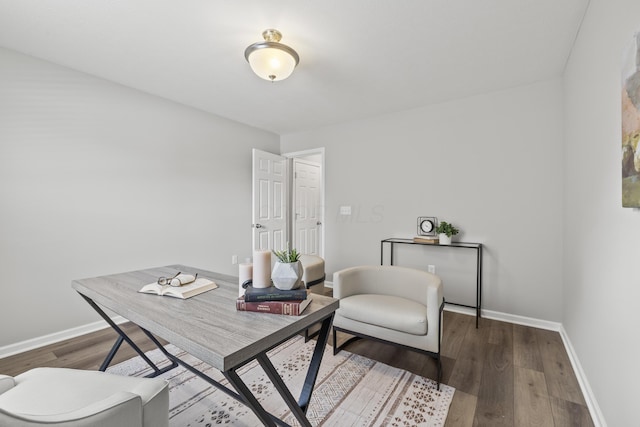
<point x="455" y="245"/>
<point x="323" y="313"/>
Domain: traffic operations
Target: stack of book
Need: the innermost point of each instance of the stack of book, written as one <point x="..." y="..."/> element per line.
<point x="426" y="239"/>
<point x="274" y="300"/>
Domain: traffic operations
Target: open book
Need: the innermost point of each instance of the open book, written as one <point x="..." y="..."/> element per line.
<point x="199" y="286"/>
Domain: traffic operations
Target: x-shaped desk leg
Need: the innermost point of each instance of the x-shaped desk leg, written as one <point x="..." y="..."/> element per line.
<point x="123" y="337"/>
<point x="299" y="409"/>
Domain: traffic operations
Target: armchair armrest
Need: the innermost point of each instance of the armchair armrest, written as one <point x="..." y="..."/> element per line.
<point x="120" y="408"/>
<point x="6" y="383"/>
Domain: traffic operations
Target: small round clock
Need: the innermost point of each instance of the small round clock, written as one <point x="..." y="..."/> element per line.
<point x="426" y="226"/>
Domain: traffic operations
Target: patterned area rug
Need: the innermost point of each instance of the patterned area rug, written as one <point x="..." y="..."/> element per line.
<point x="351" y="390"/>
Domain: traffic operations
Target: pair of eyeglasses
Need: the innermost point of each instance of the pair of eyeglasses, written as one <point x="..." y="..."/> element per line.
<point x="162" y="281"/>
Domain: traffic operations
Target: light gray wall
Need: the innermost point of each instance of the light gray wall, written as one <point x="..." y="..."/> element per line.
<point x="97" y="178"/>
<point x="490" y="164"/>
<point x="602" y="285"/>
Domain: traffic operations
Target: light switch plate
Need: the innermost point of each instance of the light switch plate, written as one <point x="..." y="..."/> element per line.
<point x="345" y="210"/>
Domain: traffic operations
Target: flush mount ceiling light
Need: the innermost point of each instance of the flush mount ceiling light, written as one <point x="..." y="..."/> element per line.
<point x="270" y="59"/>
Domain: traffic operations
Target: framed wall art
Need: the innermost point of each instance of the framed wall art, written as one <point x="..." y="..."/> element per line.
<point x="631" y="125"/>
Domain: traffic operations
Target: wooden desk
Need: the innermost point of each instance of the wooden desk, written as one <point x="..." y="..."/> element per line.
<point x="209" y="327"/>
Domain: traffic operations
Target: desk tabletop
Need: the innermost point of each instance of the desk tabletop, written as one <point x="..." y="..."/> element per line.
<point x="206" y="325"/>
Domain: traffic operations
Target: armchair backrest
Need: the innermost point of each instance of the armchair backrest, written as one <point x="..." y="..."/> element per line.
<point x="410" y="283"/>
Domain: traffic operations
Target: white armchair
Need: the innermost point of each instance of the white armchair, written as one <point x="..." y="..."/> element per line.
<point x="73" y="398"/>
<point x="397" y="305"/>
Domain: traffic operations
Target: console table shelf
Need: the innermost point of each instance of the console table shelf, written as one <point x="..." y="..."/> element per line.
<point x="455" y="245"/>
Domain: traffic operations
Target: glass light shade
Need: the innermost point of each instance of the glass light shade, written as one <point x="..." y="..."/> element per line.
<point x="271" y="62"/>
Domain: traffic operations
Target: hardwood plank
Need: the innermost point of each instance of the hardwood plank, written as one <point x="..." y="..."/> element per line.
<point x="531" y="401"/>
<point x="526" y="353"/>
<point x="100" y="337"/>
<point x="467" y="374"/>
<point x="496" y="394"/>
<point x="392" y="355"/>
<point x="561" y="380"/>
<point x="455" y="327"/>
<point x="570" y="414"/>
<point x="468" y="368"/>
<point x="419" y="364"/>
<point x="92" y="357"/>
<point x="411" y="361"/>
<point x="500" y="333"/>
<point x="462" y="410"/>
<point x="84" y="352"/>
<point x="19" y="363"/>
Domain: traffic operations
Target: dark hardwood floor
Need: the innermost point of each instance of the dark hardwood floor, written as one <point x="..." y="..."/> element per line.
<point x="504" y="374"/>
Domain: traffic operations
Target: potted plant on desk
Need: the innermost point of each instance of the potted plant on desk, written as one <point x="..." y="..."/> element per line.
<point x="445" y="231"/>
<point x="287" y="270"/>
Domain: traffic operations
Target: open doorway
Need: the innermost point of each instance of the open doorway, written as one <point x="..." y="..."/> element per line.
<point x="307" y="201"/>
<point x="288" y="201"/>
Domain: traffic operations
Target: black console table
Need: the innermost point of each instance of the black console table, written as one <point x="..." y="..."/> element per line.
<point x="455" y="245"/>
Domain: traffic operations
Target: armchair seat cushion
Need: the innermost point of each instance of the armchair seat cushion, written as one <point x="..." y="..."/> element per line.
<point x="387" y="311"/>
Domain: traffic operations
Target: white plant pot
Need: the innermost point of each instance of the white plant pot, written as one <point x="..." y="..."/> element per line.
<point x="287" y="276"/>
<point x="444" y="239"/>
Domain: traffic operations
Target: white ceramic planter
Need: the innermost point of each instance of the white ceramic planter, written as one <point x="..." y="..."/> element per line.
<point x="444" y="239"/>
<point x="286" y="276"/>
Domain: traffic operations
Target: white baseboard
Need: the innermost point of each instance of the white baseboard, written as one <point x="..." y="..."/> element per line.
<point x="506" y="317"/>
<point x="521" y="320"/>
<point x="31" y="344"/>
<point x="589" y="397"/>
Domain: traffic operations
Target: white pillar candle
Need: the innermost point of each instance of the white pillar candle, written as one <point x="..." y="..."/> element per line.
<point x="262" y="269"/>
<point x="245" y="273"/>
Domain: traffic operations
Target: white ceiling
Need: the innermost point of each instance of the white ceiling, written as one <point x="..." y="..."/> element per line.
<point x="358" y="58"/>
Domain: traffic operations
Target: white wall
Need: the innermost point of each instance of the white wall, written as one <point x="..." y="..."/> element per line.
<point x="490" y="164"/>
<point x="602" y="284"/>
<point x="96" y="178"/>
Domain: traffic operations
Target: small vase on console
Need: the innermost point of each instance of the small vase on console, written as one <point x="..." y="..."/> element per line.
<point x="443" y="239"/>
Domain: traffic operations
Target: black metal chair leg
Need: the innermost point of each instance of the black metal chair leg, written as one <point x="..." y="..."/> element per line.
<point x="337" y="349"/>
<point x="439" y="374"/>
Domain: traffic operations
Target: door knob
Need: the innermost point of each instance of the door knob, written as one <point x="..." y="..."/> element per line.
<point x="318" y="223"/>
<point x="257" y="226"/>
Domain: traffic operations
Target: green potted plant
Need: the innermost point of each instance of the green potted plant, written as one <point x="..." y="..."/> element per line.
<point x="288" y="255"/>
<point x="445" y="231"/>
<point x="287" y="270"/>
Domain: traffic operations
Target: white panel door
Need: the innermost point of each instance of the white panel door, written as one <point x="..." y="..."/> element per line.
<point x="269" y="201"/>
<point x="307" y="209"/>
